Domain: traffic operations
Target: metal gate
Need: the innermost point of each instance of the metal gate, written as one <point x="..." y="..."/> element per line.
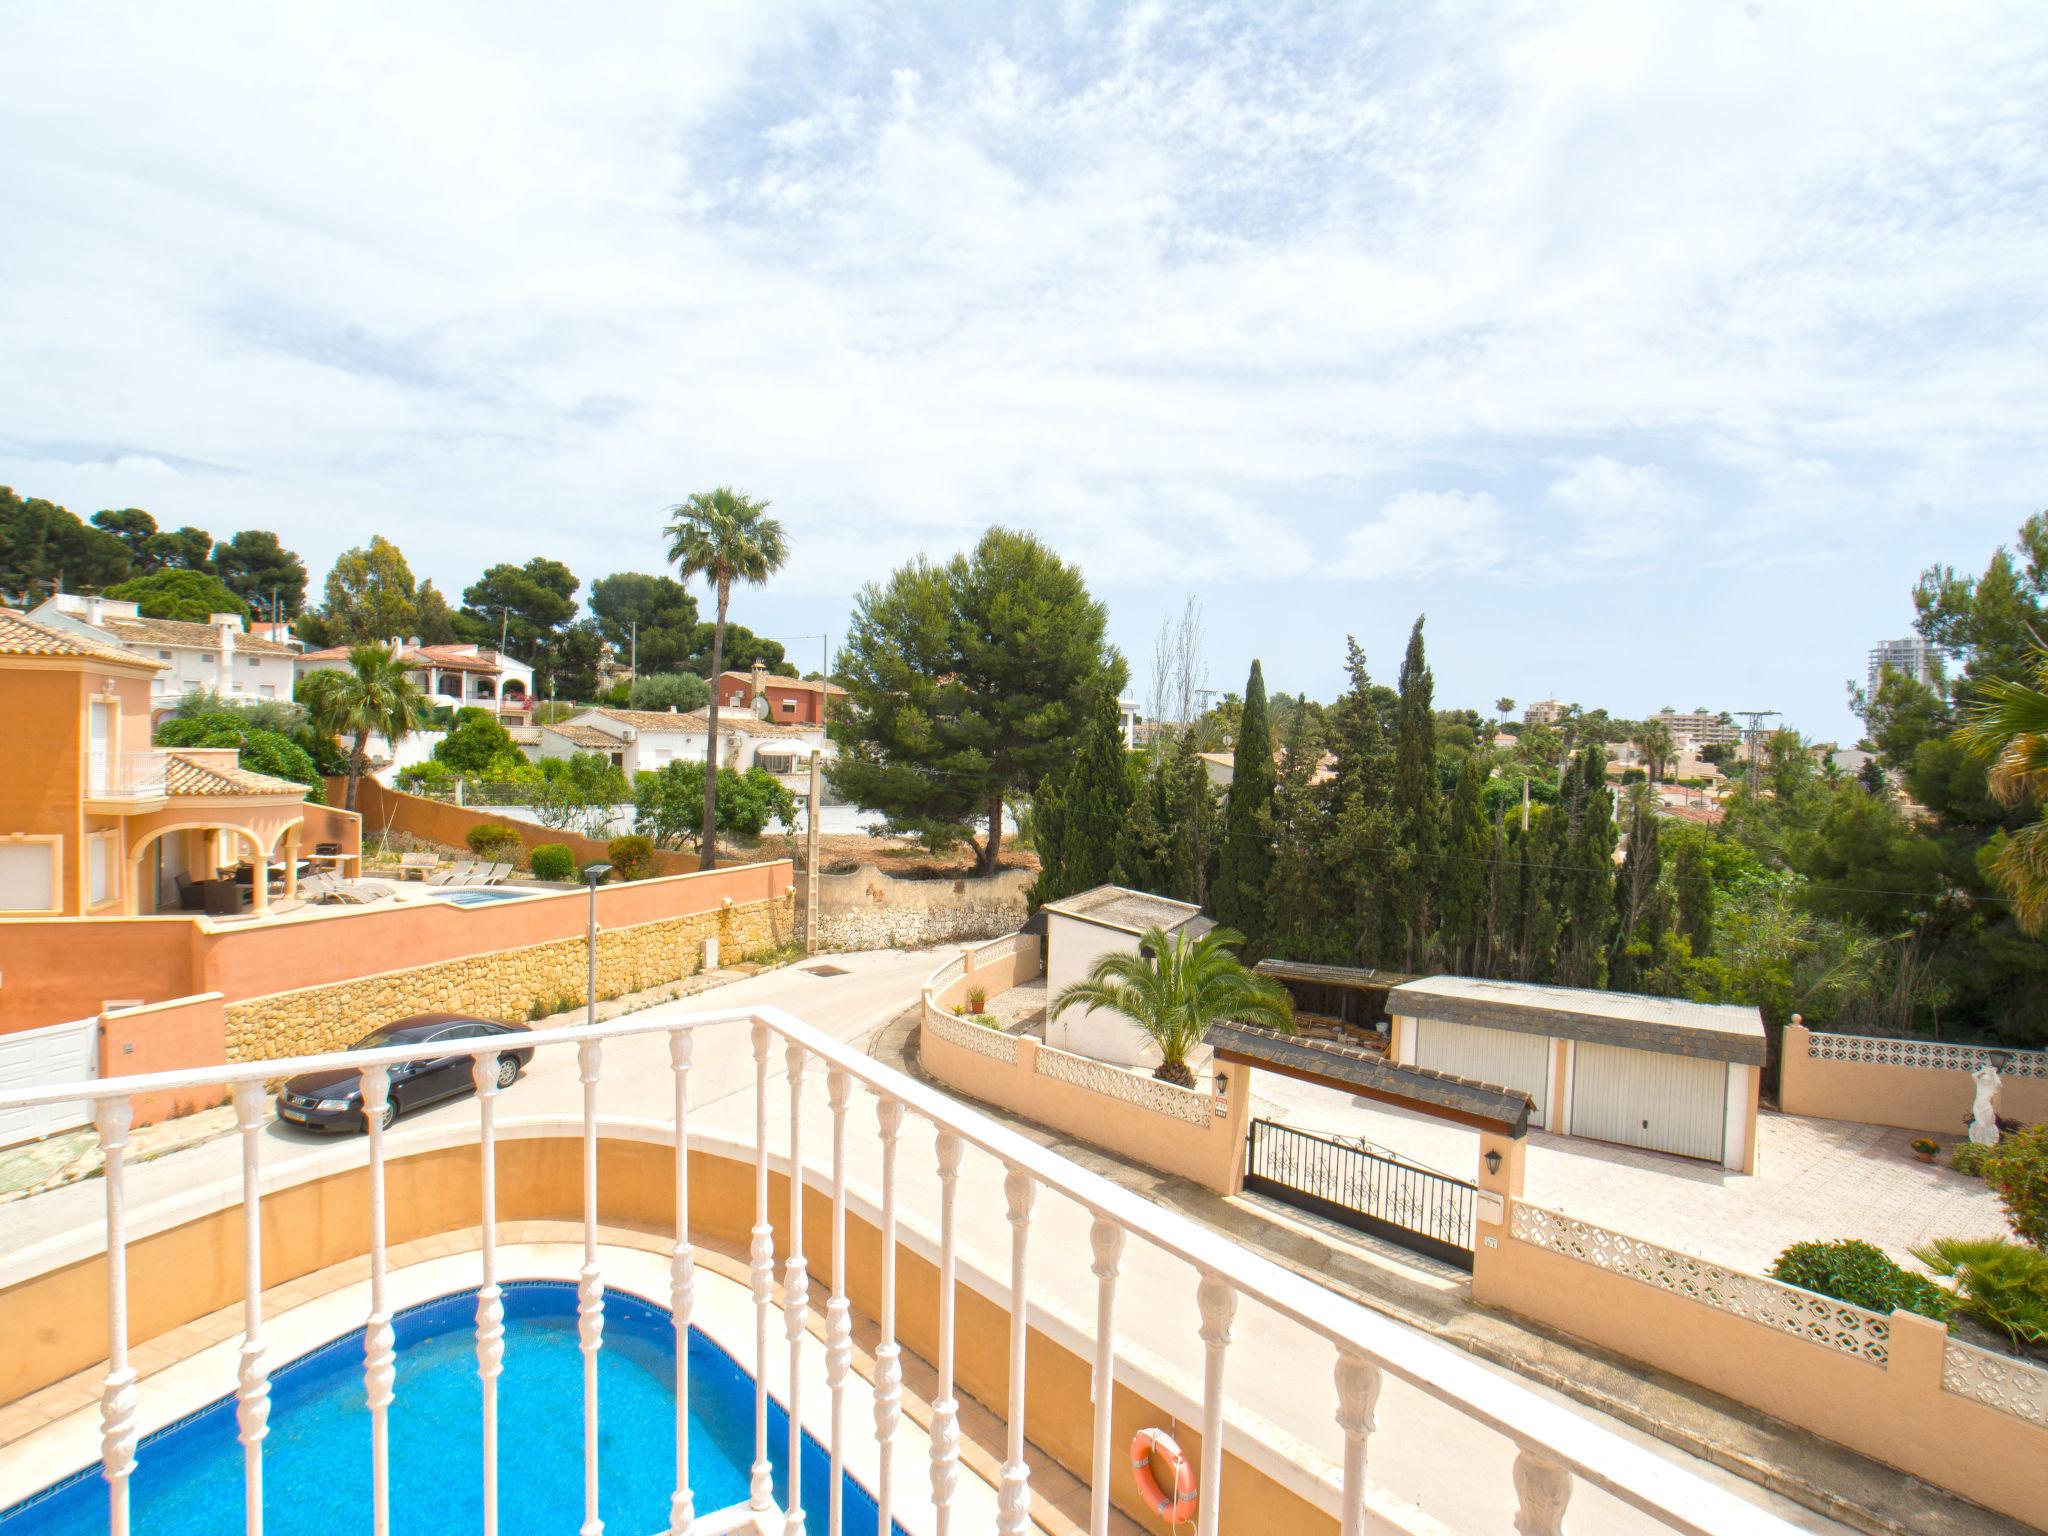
<point x="1420" y="1209"/>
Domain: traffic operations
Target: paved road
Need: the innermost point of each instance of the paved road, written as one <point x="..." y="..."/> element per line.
<point x="1423" y="1453"/>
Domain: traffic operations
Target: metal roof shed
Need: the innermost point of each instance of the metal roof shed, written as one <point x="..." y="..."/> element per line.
<point x="1653" y="1072"/>
<point x="1082" y="928"/>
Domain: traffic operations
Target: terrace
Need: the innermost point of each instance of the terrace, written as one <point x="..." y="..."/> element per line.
<point x="923" y="1226"/>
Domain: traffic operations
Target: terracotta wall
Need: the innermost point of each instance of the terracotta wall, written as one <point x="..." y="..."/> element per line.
<point x="1896" y="1413"/>
<point x="188" y="1270"/>
<point x="330" y="824"/>
<point x="166" y="1037"/>
<point x="53" y="969"/>
<point x="1932" y="1099"/>
<point x="1211" y="1154"/>
<point x="393" y="811"/>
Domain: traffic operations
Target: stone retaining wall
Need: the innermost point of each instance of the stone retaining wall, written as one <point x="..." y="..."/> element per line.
<point x="504" y="984"/>
<point x="868" y="909"/>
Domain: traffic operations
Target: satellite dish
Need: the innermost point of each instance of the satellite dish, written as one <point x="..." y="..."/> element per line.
<point x="760" y="707"/>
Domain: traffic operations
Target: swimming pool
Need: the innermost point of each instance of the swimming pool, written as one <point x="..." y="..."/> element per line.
<point x="480" y="896"/>
<point x="316" y="1459"/>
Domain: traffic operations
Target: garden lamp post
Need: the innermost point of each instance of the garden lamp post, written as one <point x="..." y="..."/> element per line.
<point x="594" y="874"/>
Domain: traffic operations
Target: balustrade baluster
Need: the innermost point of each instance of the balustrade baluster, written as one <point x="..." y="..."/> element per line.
<point x="1543" y="1486"/>
<point x="380" y="1359"/>
<point x="112" y="1117"/>
<point x="490" y="1303"/>
<point x="1358" y="1392"/>
<point x="796" y="1291"/>
<point x="888" y="1356"/>
<point x="252" y="1379"/>
<point x="1218" y="1303"/>
<point x="682" y="1286"/>
<point x="945" y="1409"/>
<point x="761" y="1270"/>
<point x="838" y="1310"/>
<point x="1013" y="1516"/>
<point x="1107" y="1239"/>
<point x="589" y="1286"/>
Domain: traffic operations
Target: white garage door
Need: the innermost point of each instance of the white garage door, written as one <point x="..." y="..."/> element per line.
<point x="37" y="1058"/>
<point x="1497" y="1056"/>
<point x="1644" y="1099"/>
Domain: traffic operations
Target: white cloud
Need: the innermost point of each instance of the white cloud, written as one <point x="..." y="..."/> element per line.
<point x="1425" y="533"/>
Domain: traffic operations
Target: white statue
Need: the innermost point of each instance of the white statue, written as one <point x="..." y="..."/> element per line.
<point x="1983" y="1122"/>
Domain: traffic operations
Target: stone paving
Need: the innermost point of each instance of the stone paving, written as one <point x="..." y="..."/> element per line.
<point x="1819" y="1179"/>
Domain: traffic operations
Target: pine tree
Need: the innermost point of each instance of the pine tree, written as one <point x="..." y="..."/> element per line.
<point x="1585" y="886"/>
<point x="1416" y="802"/>
<point x="1296" y="896"/>
<point x="1359" y="737"/>
<point x="1462" y="888"/>
<point x="1082" y="813"/>
<point x="1695" y="893"/>
<point x="1245" y="859"/>
<point x="1640" y="905"/>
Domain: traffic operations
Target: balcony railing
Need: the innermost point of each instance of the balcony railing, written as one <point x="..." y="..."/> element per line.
<point x="1555" y="1452"/>
<point x="133" y="776"/>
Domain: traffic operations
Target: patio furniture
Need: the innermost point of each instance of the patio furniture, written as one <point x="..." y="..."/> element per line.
<point x="224" y="898"/>
<point x="191" y="895"/>
<point x="416" y="866"/>
<point x="496" y="874"/>
<point x="453" y="875"/>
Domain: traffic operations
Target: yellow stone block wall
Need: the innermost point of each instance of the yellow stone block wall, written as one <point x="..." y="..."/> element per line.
<point x="506" y="984"/>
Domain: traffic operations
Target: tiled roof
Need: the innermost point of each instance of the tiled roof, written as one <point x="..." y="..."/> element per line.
<point x="774" y="680"/>
<point x="700" y="720"/>
<point x="188" y="776"/>
<point x="203" y="637"/>
<point x="584" y="735"/>
<point x="21" y="635"/>
<point x="448" y="658"/>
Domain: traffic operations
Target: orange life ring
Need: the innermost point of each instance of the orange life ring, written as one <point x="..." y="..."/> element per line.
<point x="1180" y="1505"/>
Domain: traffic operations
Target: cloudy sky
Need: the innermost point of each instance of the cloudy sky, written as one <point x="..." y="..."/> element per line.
<point x="1649" y="350"/>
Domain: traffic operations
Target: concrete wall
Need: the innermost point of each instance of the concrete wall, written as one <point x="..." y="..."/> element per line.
<point x="56" y="1320"/>
<point x="448" y="826"/>
<point x="870" y="910"/>
<point x="1896" y="1413"/>
<point x="166" y="1037"/>
<point x="1072" y="948"/>
<point x="1916" y="1098"/>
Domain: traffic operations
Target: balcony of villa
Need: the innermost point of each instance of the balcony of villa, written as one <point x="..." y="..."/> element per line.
<point x="474" y="1316"/>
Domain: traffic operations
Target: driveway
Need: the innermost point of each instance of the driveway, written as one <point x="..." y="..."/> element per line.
<point x="1819" y="1179"/>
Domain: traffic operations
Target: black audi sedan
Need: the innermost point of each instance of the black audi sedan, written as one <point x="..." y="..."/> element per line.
<point x="332" y="1100"/>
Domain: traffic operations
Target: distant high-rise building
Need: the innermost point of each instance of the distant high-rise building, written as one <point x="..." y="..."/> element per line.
<point x="1544" y="712"/>
<point x="1911" y="657"/>
<point x="1699" y="727"/>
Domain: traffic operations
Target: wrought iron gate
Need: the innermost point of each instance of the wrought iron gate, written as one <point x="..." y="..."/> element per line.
<point x="1420" y="1209"/>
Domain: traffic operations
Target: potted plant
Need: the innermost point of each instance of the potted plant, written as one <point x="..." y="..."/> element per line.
<point x="1924" y="1148"/>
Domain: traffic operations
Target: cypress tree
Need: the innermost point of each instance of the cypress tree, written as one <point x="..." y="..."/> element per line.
<point x="1536" y="853"/>
<point x="1497" y="914"/>
<point x="1695" y="899"/>
<point x="1586" y="882"/>
<point x="1082" y="814"/>
<point x="1417" y="805"/>
<point x="1640" y="908"/>
<point x="1462" y="889"/>
<point x="1295" y="889"/>
<point x="1245" y="859"/>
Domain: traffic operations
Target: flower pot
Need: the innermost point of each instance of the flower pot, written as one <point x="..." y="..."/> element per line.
<point x="1925" y="1157"/>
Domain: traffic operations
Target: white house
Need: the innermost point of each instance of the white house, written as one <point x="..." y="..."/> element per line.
<point x="1080" y="930"/>
<point x="643" y="740"/>
<point x="461" y="676"/>
<point x="219" y="655"/>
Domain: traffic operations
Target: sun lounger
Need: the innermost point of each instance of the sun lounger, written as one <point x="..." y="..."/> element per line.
<point x="497" y="873"/>
<point x="454" y="875"/>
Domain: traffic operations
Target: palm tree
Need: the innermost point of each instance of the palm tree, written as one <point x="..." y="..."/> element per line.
<point x="1658" y="748"/>
<point x="375" y="694"/>
<point x="2009" y="725"/>
<point x="723" y="536"/>
<point x="1174" y="988"/>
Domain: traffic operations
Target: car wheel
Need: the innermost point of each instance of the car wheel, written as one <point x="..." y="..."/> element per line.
<point x="390" y="1115"/>
<point x="508" y="1071"/>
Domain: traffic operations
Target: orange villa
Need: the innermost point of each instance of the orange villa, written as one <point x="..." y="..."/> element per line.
<point x="94" y="821"/>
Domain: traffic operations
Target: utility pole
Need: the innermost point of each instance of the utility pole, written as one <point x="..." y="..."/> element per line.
<point x="1755" y="717"/>
<point x="504" y="619"/>
<point x="1525" y="802"/>
<point x="811" y="871"/>
<point x="633" y="660"/>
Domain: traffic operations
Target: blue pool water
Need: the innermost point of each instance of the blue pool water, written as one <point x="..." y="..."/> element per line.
<point x="482" y="896"/>
<point x="316" y="1459"/>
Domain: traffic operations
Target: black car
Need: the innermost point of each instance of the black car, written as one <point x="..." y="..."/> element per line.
<point x="332" y="1100"/>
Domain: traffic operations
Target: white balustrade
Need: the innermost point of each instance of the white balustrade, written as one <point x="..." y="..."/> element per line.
<point x="252" y="1377"/>
<point x="490" y="1297"/>
<point x="1552" y="1451"/>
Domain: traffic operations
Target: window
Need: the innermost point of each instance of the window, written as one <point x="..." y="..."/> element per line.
<point x="28" y="875"/>
<point x="253" y="661"/>
<point x="270" y="690"/>
<point x="163" y="655"/>
<point x="789" y="706"/>
<point x="99" y="852"/>
<point x="206" y="658"/>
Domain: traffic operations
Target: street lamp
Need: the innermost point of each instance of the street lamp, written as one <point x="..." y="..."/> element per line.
<point x="594" y="874"/>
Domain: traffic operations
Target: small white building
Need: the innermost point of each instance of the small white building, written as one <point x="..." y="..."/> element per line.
<point x="645" y="740"/>
<point x="460" y="676"/>
<point x="219" y="655"/>
<point x="1078" y="932"/>
<point x="1653" y="1072"/>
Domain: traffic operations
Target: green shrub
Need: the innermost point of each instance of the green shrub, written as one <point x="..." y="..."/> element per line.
<point x="1969" y="1157"/>
<point x="2000" y="1283"/>
<point x="1862" y="1275"/>
<point x="684" y="691"/>
<point x="494" y="841"/>
<point x="430" y="774"/>
<point x="2017" y="1169"/>
<point x="632" y="857"/>
<point x="552" y="861"/>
